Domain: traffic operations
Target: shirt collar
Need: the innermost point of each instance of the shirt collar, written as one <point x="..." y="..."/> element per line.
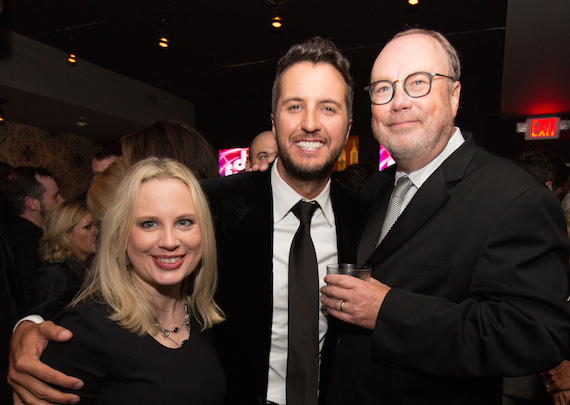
<point x="284" y="197"/>
<point x="419" y="177"/>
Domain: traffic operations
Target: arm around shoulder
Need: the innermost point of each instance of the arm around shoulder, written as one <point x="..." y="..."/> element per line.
<point x="27" y="374"/>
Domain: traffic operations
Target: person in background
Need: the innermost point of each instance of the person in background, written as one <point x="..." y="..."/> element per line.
<point x="557" y="380"/>
<point x="103" y="187"/>
<point x="101" y="161"/>
<point x="356" y="175"/>
<point x="175" y="140"/>
<point x="549" y="167"/>
<point x="69" y="241"/>
<point x="566" y="208"/>
<point x="142" y="321"/>
<point x="469" y="253"/>
<point x="8" y="315"/>
<point x="29" y="194"/>
<point x="263" y="148"/>
<point x="11" y="296"/>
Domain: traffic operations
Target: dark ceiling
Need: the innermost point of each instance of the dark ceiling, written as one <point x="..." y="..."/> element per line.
<point x="223" y="52"/>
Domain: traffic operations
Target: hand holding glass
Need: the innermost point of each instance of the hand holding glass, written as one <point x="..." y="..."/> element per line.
<point x="361" y="271"/>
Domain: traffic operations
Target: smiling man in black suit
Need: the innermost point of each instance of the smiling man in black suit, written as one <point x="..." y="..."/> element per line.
<point x="469" y="283"/>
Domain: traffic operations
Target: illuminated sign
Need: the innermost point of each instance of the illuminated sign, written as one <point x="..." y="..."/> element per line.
<point x="385" y="159"/>
<point x="232" y="160"/>
<point x="542" y="128"/>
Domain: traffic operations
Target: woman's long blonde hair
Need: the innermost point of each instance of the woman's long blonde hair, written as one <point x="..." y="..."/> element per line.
<point x="55" y="247"/>
<point x="112" y="276"/>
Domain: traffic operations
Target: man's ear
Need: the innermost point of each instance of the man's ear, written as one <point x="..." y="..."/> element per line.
<point x="549" y="185"/>
<point x="32" y="204"/>
<point x="455" y="95"/>
<point x="348" y="131"/>
<point x="273" y="129"/>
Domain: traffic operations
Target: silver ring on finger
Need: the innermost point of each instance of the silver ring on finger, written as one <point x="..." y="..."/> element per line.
<point x="342" y="305"/>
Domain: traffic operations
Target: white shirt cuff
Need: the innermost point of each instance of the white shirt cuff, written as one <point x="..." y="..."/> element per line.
<point x="33" y="318"/>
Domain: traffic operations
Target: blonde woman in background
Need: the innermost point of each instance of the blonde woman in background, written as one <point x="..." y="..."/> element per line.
<point x="141" y="324"/>
<point x="69" y="241"/>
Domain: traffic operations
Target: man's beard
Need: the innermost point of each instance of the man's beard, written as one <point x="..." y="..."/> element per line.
<point x="309" y="173"/>
<point x="43" y="211"/>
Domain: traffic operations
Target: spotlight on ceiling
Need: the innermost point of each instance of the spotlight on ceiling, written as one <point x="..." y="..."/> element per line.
<point x="163" y="25"/>
<point x="72" y="59"/>
<point x="413" y="2"/>
<point x="81" y="122"/>
<point x="276" y="21"/>
<point x="163" y="42"/>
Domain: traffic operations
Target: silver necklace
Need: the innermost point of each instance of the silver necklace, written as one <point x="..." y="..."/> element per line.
<point x="166" y="332"/>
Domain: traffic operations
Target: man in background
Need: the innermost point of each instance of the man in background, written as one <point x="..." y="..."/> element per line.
<point x="101" y="161"/>
<point x="263" y="149"/>
<point x="548" y="167"/>
<point x="28" y="194"/>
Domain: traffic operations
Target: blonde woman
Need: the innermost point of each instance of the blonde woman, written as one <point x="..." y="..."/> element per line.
<point x="69" y="241"/>
<point x="141" y="324"/>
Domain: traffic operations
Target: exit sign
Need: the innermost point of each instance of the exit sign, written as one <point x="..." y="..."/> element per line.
<point x="542" y="128"/>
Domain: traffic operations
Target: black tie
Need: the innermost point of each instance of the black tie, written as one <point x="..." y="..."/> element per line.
<point x="303" y="340"/>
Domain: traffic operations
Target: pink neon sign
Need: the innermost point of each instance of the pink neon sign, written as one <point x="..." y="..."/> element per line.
<point x="232" y="161"/>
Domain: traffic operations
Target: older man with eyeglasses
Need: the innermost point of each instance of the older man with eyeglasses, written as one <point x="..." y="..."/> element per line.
<point x="468" y="251"/>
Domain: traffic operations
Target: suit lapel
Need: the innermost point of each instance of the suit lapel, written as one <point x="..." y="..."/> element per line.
<point x="252" y="238"/>
<point x="427" y="201"/>
<point x="431" y="196"/>
<point x="350" y="210"/>
<point x="371" y="233"/>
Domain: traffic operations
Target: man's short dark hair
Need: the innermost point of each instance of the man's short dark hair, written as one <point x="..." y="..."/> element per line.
<point x="102" y="155"/>
<point x="546" y="166"/>
<point x="20" y="183"/>
<point x="316" y="50"/>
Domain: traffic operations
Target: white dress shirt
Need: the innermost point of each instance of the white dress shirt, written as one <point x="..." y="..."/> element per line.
<point x="285" y="225"/>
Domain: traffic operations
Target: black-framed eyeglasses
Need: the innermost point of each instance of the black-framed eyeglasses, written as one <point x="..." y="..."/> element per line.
<point x="415" y="85"/>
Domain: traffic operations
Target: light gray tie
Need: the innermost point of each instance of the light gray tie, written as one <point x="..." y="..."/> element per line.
<point x="394" y="209"/>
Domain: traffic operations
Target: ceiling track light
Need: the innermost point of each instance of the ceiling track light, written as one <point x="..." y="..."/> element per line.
<point x="413" y="2"/>
<point x="163" y="41"/>
<point x="276" y="20"/>
<point x="72" y="59"/>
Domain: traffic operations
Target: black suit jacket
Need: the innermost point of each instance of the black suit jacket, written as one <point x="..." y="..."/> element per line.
<point x="477" y="267"/>
<point x="11" y="298"/>
<point x="243" y="211"/>
<point x="24" y="239"/>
